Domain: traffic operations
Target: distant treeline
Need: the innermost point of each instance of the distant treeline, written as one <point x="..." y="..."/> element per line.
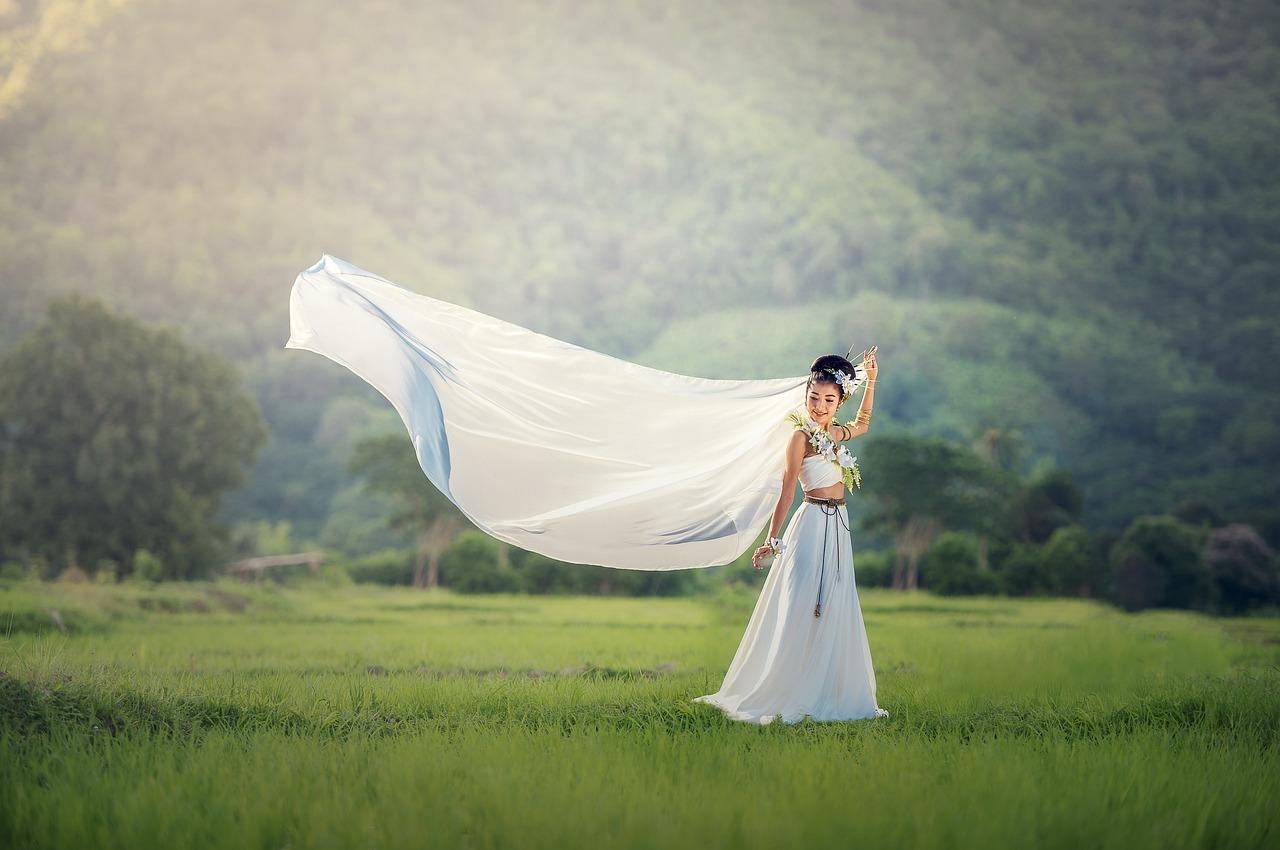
<point x="118" y="441"/>
<point x="957" y="523"/>
<point x="1170" y="561"/>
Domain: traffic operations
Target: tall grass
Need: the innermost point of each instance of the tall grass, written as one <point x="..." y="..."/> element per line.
<point x="217" y="715"/>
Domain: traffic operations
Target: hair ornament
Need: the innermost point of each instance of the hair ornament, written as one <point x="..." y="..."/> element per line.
<point x="845" y="380"/>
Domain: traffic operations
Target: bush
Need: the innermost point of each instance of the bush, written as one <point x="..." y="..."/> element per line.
<point x="950" y="568"/>
<point x="1157" y="562"/>
<point x="390" y="566"/>
<point x="336" y="574"/>
<point x="611" y="582"/>
<point x="1074" y="564"/>
<point x="472" y="565"/>
<point x="538" y="574"/>
<point x="541" y="575"/>
<point x="1024" y="572"/>
<point x="147" y="567"/>
<point x="12" y="571"/>
<point x="873" y="569"/>
<point x="73" y="575"/>
<point x="1243" y="567"/>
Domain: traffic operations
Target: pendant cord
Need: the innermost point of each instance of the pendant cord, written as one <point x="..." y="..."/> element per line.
<point x="828" y="511"/>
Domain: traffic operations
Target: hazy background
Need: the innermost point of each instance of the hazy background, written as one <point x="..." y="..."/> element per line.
<point x="1059" y="220"/>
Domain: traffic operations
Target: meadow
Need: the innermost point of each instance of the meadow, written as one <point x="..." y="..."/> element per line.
<point x="239" y="716"/>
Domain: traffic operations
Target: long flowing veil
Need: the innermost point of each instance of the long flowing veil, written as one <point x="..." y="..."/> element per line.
<point x="550" y="446"/>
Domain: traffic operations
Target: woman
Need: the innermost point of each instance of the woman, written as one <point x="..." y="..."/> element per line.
<point x="805" y="650"/>
<point x="592" y="460"/>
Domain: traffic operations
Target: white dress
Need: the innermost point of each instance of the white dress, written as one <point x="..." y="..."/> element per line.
<point x="790" y="663"/>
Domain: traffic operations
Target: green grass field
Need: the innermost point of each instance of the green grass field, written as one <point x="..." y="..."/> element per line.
<point x="222" y="715"/>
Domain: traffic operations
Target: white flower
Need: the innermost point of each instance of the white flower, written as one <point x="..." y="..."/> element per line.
<point x="846" y="382"/>
<point x="827" y="449"/>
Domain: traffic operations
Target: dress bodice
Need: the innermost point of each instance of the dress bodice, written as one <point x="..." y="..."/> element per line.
<point x="817" y="472"/>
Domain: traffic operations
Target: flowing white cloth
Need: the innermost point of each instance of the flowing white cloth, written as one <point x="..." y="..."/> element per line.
<point x="552" y="447"/>
<point x="791" y="664"/>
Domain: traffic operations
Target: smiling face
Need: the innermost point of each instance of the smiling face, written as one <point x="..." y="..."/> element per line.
<point x="822" y="401"/>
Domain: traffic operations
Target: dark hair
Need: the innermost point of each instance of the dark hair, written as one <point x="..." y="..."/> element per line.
<point x="823" y="371"/>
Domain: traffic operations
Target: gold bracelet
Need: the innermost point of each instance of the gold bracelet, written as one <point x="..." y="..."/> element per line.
<point x="863" y="418"/>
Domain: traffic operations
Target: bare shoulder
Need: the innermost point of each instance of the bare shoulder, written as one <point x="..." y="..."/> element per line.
<point x="798" y="445"/>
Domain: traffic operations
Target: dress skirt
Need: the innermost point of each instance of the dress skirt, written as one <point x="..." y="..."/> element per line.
<point x="791" y="664"/>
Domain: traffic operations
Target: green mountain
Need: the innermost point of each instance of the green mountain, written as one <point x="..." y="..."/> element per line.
<point x="1058" y="220"/>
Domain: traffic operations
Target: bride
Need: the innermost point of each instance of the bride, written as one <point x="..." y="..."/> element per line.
<point x="592" y="460"/>
<point x="805" y="650"/>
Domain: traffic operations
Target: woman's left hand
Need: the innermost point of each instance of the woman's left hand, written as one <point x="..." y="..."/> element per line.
<point x="869" y="364"/>
<point x="763" y="552"/>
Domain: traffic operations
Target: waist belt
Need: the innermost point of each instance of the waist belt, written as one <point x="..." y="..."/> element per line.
<point x="830" y="503"/>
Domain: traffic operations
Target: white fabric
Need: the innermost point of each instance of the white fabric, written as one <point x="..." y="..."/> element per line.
<point x="817" y="472"/>
<point x="791" y="664"/>
<point x="552" y="447"/>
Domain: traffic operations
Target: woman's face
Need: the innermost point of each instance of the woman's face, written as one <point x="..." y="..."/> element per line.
<point x="823" y="400"/>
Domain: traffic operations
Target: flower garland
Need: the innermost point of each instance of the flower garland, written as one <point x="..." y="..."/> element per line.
<point x="828" y="448"/>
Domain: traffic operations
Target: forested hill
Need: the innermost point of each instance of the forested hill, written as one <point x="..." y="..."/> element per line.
<point x="1058" y="219"/>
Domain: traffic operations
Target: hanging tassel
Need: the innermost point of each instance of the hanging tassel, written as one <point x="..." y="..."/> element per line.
<point x="817" y="610"/>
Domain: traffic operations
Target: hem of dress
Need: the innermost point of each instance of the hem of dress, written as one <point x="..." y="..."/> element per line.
<point x="795" y="717"/>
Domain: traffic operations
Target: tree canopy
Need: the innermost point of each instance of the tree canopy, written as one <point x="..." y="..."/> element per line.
<point x="920" y="487"/>
<point x="115" y="438"/>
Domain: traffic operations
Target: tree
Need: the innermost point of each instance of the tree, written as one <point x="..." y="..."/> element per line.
<point x="1157" y="562"/>
<point x="116" y="437"/>
<point x="922" y="486"/>
<point x="1072" y="560"/>
<point x="1243" y="567"/>
<point x="1047" y="502"/>
<point x="950" y="567"/>
<point x="1024" y="572"/>
<point x="1198" y="511"/>
<point x="472" y="565"/>
<point x="388" y="465"/>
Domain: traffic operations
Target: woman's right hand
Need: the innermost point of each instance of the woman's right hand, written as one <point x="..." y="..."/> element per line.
<point x="763" y="552"/>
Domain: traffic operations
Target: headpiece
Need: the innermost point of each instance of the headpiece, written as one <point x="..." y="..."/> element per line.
<point x="845" y="380"/>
